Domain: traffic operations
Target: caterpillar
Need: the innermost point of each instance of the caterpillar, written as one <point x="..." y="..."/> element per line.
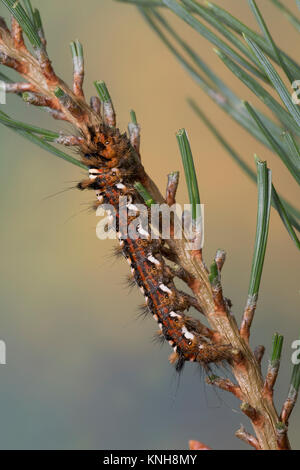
<point x="114" y="164"/>
<point x="112" y="172"/>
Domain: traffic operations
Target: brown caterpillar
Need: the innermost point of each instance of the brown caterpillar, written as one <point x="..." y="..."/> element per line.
<point x="190" y="340"/>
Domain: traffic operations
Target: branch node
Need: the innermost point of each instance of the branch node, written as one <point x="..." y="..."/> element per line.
<point x="289" y="405"/>
<point x="172" y="185"/>
<point x="251" y="412"/>
<point x="259" y="353"/>
<point x="282" y="439"/>
<point x="248" y="317"/>
<point x="220" y="259"/>
<point x="134" y="130"/>
<point x="225" y="384"/>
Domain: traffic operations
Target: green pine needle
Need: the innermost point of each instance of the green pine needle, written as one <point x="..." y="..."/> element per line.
<point x="284" y="209"/>
<point x="145" y="194"/>
<point x="264" y="184"/>
<point x="276" y="349"/>
<point x="186" y="16"/>
<point x="269" y="38"/>
<point x="102" y="91"/>
<point x="290" y="16"/>
<point x="236" y="25"/>
<point x="279" y="112"/>
<point x="214" y="274"/>
<point x="189" y="170"/>
<point x="275" y="79"/>
<point x="273" y="143"/>
<point x="24" y="21"/>
<point x="23" y="126"/>
<point x="133" y="117"/>
<point x="30" y="11"/>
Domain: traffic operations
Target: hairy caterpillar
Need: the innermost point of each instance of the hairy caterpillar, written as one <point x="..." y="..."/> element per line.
<point x="112" y="173"/>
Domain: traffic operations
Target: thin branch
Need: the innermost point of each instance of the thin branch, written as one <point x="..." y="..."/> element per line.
<point x="109" y="114"/>
<point x="264" y="183"/>
<point x="70" y="140"/>
<point x="96" y="105"/>
<point x="134" y="131"/>
<point x="248" y="438"/>
<point x="172" y="185"/>
<point x="225" y="384"/>
<point x="196" y="445"/>
<point x="282" y="438"/>
<point x="289" y="404"/>
<point x="273" y="367"/>
<point x="78" y="68"/>
<point x="220" y="259"/>
<point x="259" y="352"/>
<point x="248" y="316"/>
<point x="252" y="413"/>
<point x="36" y="99"/>
<point x="17" y="34"/>
<point x="19" y="87"/>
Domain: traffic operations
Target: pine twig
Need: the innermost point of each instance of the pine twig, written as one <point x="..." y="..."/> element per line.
<point x="134" y="130"/>
<point x="259" y="352"/>
<point x="273" y="367"/>
<point x="196" y="445"/>
<point x="172" y="185"/>
<point x="225" y="384"/>
<point x="247" y="438"/>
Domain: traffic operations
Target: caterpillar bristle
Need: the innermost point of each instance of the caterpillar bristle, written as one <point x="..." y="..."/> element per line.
<point x="117" y="252"/>
<point x="158" y="338"/>
<point x="143" y="310"/>
<point x="86" y="184"/>
<point x="130" y="281"/>
<point x="173" y="358"/>
<point x="180" y="363"/>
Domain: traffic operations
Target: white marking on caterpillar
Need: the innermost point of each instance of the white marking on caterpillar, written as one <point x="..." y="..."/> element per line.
<point x="121" y="243"/>
<point x="165" y="288"/>
<point x="132" y="207"/>
<point x="120" y="186"/>
<point x="187" y="334"/>
<point x="153" y="260"/>
<point x="155" y="317"/>
<point x="132" y="270"/>
<point x="160" y="326"/>
<point x="171" y="342"/>
<point x="146" y="299"/>
<point x="175" y="348"/>
<point x="99" y="196"/>
<point x="175" y="315"/>
<point x="142" y="290"/>
<point x="143" y="232"/>
<point x="128" y="260"/>
<point x="93" y="173"/>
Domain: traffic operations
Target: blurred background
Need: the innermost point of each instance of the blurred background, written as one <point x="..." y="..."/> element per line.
<point x="82" y="371"/>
